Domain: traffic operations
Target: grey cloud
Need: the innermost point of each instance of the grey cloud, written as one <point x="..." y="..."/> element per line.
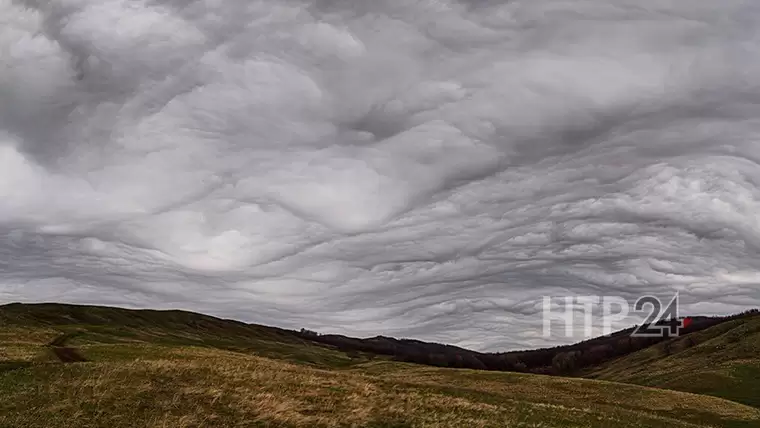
<point x="409" y="168"/>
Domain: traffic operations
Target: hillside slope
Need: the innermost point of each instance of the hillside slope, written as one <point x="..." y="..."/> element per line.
<point x="723" y="361"/>
<point x="176" y="369"/>
<point x="559" y="360"/>
<point x="85" y="325"/>
<point x="191" y="328"/>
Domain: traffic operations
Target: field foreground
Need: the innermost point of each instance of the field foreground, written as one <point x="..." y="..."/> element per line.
<point x="80" y="375"/>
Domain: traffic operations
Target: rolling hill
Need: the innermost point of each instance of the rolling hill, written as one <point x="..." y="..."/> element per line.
<point x="68" y="365"/>
<point x="723" y="361"/>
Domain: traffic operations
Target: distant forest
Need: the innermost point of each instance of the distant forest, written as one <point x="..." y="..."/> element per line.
<point x="559" y="360"/>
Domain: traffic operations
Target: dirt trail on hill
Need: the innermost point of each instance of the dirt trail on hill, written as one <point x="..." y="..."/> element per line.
<point x="65" y="354"/>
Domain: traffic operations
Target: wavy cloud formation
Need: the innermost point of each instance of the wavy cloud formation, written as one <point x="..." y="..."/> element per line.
<point x="422" y="168"/>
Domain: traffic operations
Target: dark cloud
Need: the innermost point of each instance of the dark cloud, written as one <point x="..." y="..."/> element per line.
<point x="413" y="168"/>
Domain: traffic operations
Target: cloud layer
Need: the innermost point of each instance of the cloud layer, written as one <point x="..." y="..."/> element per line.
<point x="422" y="168"/>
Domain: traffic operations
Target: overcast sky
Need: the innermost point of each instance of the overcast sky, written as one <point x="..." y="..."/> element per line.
<point x="414" y="168"/>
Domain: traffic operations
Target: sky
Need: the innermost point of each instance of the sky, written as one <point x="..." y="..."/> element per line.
<point x="414" y="168"/>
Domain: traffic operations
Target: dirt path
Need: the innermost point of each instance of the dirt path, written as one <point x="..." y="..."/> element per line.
<point x="64" y="353"/>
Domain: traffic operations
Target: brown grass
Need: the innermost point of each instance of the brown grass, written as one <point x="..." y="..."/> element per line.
<point x="194" y="387"/>
<point x="135" y="378"/>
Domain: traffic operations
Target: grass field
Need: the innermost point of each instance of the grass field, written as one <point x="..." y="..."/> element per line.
<point x="723" y="361"/>
<point x="173" y="372"/>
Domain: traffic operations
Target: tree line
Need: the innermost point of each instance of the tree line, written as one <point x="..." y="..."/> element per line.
<point x="559" y="360"/>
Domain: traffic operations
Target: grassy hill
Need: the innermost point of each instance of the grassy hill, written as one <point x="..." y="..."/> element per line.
<point x="91" y="325"/>
<point x="76" y="366"/>
<point x="723" y="361"/>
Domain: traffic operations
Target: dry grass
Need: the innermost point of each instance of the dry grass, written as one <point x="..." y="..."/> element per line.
<point x="724" y="362"/>
<point x="178" y="375"/>
<point x="18" y="344"/>
<point x="193" y="387"/>
<point x="28" y="336"/>
<point x="557" y="392"/>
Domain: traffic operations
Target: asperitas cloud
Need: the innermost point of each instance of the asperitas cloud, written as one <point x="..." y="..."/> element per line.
<point x="424" y="169"/>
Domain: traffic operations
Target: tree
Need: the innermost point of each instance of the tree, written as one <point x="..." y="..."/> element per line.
<point x="565" y="362"/>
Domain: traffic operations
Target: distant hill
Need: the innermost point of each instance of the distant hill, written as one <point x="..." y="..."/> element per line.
<point x="559" y="360"/>
<point x="85" y="366"/>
